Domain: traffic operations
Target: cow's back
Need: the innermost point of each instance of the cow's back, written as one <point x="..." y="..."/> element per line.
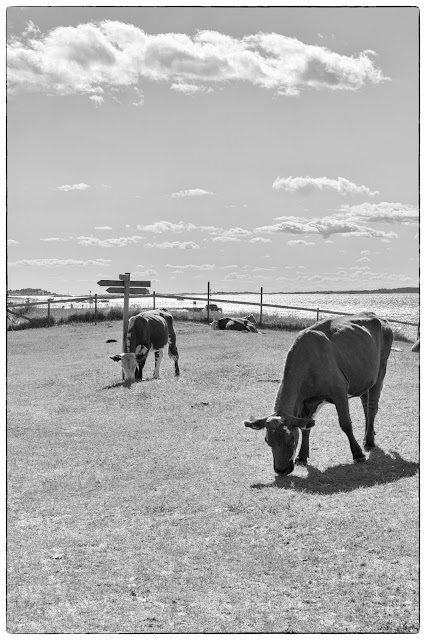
<point x="351" y="348"/>
<point x="148" y="329"/>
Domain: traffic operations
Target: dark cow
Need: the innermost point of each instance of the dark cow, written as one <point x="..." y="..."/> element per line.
<point x="235" y="324"/>
<point x="148" y="331"/>
<point x="331" y="361"/>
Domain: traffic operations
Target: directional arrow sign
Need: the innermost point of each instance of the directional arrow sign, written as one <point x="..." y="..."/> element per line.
<point x="110" y="283"/>
<point x="139" y="290"/>
<point x="120" y="283"/>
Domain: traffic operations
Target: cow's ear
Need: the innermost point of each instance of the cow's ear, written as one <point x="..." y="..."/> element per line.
<point x="258" y="424"/>
<point x="116" y="358"/>
<point x="138" y="349"/>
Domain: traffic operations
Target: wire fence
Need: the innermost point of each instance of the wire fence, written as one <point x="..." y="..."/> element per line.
<point x="64" y="308"/>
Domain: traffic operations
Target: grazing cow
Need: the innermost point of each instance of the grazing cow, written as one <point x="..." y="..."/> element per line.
<point x="331" y="361"/>
<point x="148" y="331"/>
<point x="235" y="324"/>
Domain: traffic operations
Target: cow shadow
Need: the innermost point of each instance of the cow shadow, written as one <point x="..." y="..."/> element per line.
<point x="380" y="468"/>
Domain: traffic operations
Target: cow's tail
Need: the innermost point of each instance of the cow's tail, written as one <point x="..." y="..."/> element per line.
<point x="173" y="351"/>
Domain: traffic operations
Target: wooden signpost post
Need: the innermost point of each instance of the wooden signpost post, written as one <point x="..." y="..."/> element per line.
<point x="126" y="286"/>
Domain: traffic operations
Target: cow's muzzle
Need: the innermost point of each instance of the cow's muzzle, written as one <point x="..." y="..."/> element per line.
<point x="286" y="471"/>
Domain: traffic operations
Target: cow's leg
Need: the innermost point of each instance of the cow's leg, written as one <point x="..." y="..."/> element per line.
<point x="303" y="456"/>
<point x="173" y="353"/>
<point x="342" y="406"/>
<point x="139" y="368"/>
<point x="158" y="358"/>
<point x="370" y="403"/>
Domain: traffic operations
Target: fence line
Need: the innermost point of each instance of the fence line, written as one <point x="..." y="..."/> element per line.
<point x="155" y="295"/>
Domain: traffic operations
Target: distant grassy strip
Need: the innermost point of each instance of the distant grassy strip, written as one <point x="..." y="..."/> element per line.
<point x="269" y="320"/>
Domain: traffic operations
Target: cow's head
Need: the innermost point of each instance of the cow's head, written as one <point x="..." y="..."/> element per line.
<point x="130" y="361"/>
<point x="282" y="435"/>
<point x="214" y="325"/>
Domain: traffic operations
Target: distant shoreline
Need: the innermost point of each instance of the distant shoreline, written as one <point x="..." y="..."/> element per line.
<point x="26" y="292"/>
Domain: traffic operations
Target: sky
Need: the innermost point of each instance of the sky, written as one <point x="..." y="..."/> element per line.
<point x="245" y="147"/>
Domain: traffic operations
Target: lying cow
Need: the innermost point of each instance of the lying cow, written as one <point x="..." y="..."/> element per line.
<point x="235" y="324"/>
<point x="329" y="362"/>
<point x="148" y="331"/>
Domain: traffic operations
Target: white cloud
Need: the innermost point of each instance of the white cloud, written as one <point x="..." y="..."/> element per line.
<point x="162" y="226"/>
<point x="106" y="228"/>
<point x="324" y="226"/>
<point x="260" y="239"/>
<point x="55" y="239"/>
<point x="363" y="259"/>
<point x="226" y="239"/>
<point x="193" y="267"/>
<point x="307" y="185"/>
<point x="172" y="245"/>
<point x="107" y="243"/>
<point x="301" y="242"/>
<point x="59" y="262"/>
<point x="146" y="273"/>
<point x="116" y="55"/>
<point x="390" y="212"/>
<point x="81" y="186"/>
<point x="98" y="100"/>
<point x="11" y="242"/>
<point x="190" y="89"/>
<point x="190" y="193"/>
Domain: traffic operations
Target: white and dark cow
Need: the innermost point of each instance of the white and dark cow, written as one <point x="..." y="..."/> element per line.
<point x="235" y="324"/>
<point x="331" y="361"/>
<point x="148" y="331"/>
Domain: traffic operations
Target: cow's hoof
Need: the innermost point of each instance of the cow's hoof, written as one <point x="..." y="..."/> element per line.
<point x="301" y="463"/>
<point x="369" y="447"/>
<point x="363" y="459"/>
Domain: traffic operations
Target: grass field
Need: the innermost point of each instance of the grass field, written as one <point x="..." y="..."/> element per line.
<point x="151" y="508"/>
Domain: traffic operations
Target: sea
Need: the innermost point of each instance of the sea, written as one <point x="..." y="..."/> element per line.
<point x="393" y="306"/>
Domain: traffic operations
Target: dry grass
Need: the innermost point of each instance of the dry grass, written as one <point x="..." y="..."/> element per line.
<point x="150" y="508"/>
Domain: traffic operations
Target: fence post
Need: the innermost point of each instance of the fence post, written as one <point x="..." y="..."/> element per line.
<point x="318" y="313"/>
<point x="96" y="308"/>
<point x="261" y="305"/>
<point x="126" y="310"/>
<point x="153" y="299"/>
<point x="208" y="302"/>
<point x="48" y="312"/>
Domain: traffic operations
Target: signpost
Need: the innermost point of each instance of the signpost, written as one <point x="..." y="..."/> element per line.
<point x="126" y="287"/>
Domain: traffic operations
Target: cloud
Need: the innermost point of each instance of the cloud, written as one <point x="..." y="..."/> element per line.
<point x="389" y="212"/>
<point x="172" y="245"/>
<point x="260" y="239"/>
<point x="114" y="55"/>
<point x="162" y="226"/>
<point x="107" y="243"/>
<point x="106" y="228"/>
<point x="11" y="242"/>
<point x="81" y="186"/>
<point x="193" y="267"/>
<point x="307" y="185"/>
<point x="59" y="262"/>
<point x="324" y="226"/>
<point x="363" y="259"/>
<point x="98" y="100"/>
<point x="55" y="239"/>
<point x="226" y="239"/>
<point x="300" y="242"/>
<point x="190" y="193"/>
<point x="147" y="273"/>
<point x="190" y="89"/>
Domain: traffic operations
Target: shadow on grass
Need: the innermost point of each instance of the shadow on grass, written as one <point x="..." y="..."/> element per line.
<point x="381" y="468"/>
<point x="123" y="383"/>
